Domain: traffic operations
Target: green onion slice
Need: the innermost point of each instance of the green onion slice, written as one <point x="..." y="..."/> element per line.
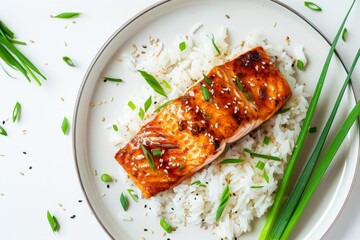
<point x="256" y="186"/>
<point x="54" y="224"/>
<point x="312" y="6"/>
<point x="111" y="79"/>
<point x="238" y="83"/>
<point x="167" y="85"/>
<point x="266" y="176"/>
<point x="231" y="160"/>
<point x="223" y="202"/>
<point x="16" y="112"/>
<point x="249" y="96"/>
<point x="162" y="106"/>
<point x="166" y="226"/>
<point x="156" y="152"/>
<point x="283" y="110"/>
<point x="182" y="46"/>
<point x="141" y="113"/>
<point x="148" y="157"/>
<point x="131" y="105"/>
<point x="207" y="80"/>
<point x="67" y="15"/>
<point x="260" y="165"/>
<point x="214" y="44"/>
<point x="68" y="61"/>
<point x="2" y="131"/>
<point x="124" y="202"/>
<point x="106" y="178"/>
<point x="65" y="126"/>
<point x="259" y="155"/>
<point x="266" y="140"/>
<point x="115" y="127"/>
<point x="147" y="104"/>
<point x="344" y="33"/>
<point x="199" y="183"/>
<point x="300" y="64"/>
<point x="154" y="84"/>
<point x="133" y="195"/>
<point x="205" y="92"/>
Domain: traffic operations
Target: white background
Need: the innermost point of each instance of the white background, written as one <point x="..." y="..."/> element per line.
<point x="52" y="183"/>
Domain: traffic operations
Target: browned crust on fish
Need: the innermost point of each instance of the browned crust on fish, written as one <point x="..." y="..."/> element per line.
<point x="192" y="132"/>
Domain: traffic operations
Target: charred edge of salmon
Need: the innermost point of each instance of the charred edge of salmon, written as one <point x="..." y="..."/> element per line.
<point x="192" y="132"/>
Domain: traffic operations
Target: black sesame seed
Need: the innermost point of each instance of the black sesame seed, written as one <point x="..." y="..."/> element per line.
<point x="80" y="200"/>
<point x="108" y="186"/>
<point x="3" y="122"/>
<point x="145" y="230"/>
<point x="145" y="206"/>
<point x="149" y="208"/>
<point x="24" y="153"/>
<point x="73" y="216"/>
<point x="172" y="208"/>
<point x="30" y="167"/>
<point x="155" y="102"/>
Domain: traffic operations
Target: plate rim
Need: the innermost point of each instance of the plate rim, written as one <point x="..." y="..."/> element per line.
<point x="129" y="22"/>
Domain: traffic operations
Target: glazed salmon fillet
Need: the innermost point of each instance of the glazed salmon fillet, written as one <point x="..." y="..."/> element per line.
<point x="193" y="130"/>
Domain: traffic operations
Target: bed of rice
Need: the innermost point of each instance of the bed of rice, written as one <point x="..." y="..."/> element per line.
<point x="194" y="204"/>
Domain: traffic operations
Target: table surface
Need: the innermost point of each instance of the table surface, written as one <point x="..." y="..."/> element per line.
<point x="37" y="170"/>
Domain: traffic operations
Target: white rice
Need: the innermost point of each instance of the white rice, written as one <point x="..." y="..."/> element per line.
<point x="194" y="204"/>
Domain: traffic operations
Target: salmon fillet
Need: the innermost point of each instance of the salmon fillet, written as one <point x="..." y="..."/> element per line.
<point x="193" y="130"/>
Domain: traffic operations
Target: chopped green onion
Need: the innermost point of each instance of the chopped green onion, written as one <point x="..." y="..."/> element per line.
<point x="115" y="127"/>
<point x="207" y="80"/>
<point x="124" y="202"/>
<point x="279" y="199"/>
<point x="167" y="85"/>
<point x="249" y="96"/>
<point x="54" y="224"/>
<point x="199" y="183"/>
<point x="147" y="104"/>
<point x="214" y="44"/>
<point x="266" y="140"/>
<point x="2" y="131"/>
<point x="256" y="186"/>
<point x="312" y="6"/>
<point x="300" y="64"/>
<point x="231" y="160"/>
<point x="141" y="113"/>
<point x="151" y="80"/>
<point x="321" y="169"/>
<point x="266" y="176"/>
<point x="259" y="155"/>
<point x="312" y="129"/>
<point x="133" y="195"/>
<point x="283" y="110"/>
<point x="238" y="83"/>
<point x="148" y="157"/>
<point x="182" y="46"/>
<point x="260" y="165"/>
<point x="65" y="126"/>
<point x="181" y="167"/>
<point x="162" y="106"/>
<point x="68" y="61"/>
<point x="205" y="92"/>
<point x="156" y="152"/>
<point x="67" y="15"/>
<point x="131" y="105"/>
<point x="106" y="177"/>
<point x="166" y="226"/>
<point x="344" y="33"/>
<point x="223" y="201"/>
<point x="16" y="112"/>
<point x="111" y="79"/>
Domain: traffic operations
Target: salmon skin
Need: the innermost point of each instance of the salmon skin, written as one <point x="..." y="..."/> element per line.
<point x="193" y="130"/>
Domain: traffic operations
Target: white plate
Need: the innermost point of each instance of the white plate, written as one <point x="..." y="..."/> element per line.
<point x="166" y="20"/>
